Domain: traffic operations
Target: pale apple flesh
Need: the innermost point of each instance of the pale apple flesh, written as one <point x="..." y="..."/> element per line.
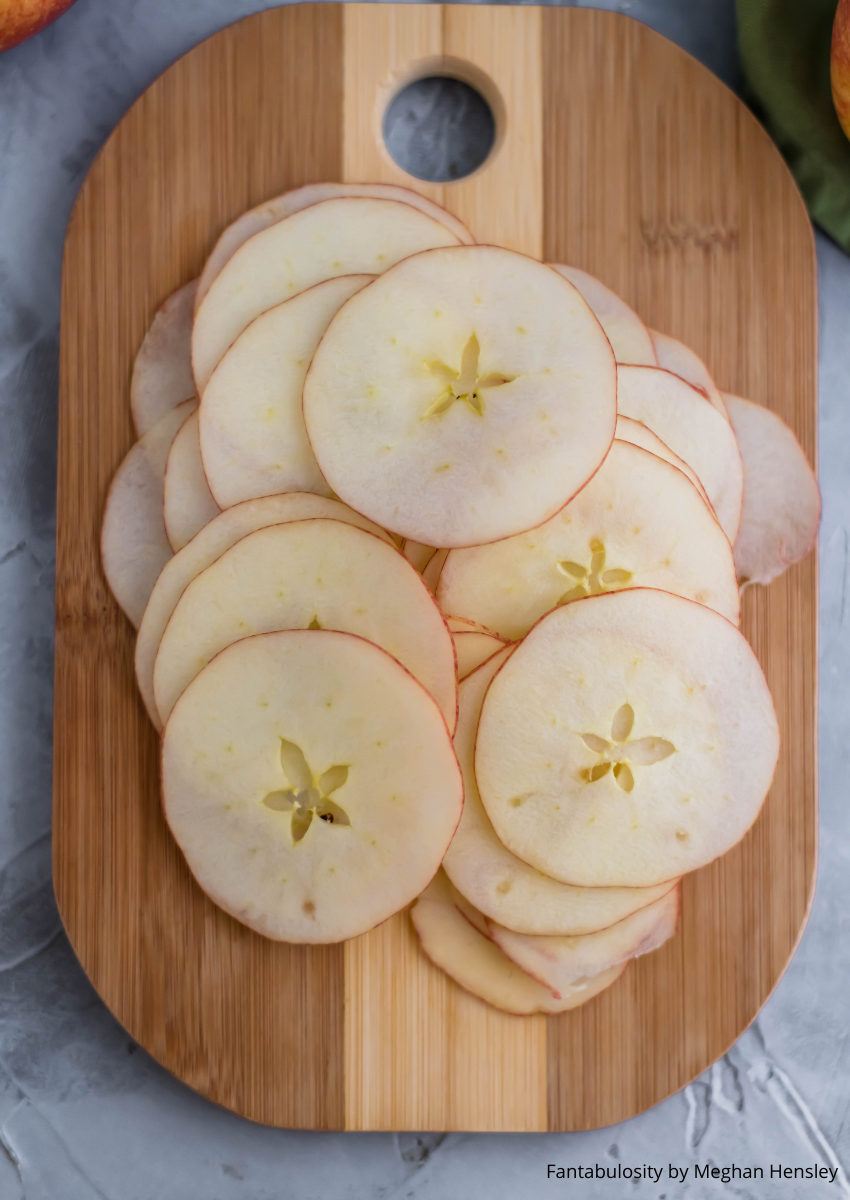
<point x="188" y="503"/>
<point x="559" y="962"/>
<point x="781" y="510"/>
<point x="629" y="337"/>
<point x="473" y="648"/>
<point x="502" y="886"/>
<point x="260" y="218"/>
<point x="162" y="372"/>
<point x="207" y="546"/>
<point x="345" y="236"/>
<point x="317" y="573"/>
<point x="629" y="739"/>
<point x="134" y="546"/>
<point x="450" y="935"/>
<point x="465" y="395"/>
<point x="675" y="356"/>
<point x="310" y="782"/>
<point x="638" y="434"/>
<point x="638" y="523"/>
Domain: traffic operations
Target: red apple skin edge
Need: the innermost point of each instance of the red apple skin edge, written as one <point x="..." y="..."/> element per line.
<point x="840" y="64"/>
<point x="20" y="19"/>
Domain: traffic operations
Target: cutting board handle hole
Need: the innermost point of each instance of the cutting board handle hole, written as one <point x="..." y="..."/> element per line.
<point x="441" y="120"/>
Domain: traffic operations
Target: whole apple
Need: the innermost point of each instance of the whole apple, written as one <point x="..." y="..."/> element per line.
<point x="20" y="19"/>
<point x="840" y="64"/>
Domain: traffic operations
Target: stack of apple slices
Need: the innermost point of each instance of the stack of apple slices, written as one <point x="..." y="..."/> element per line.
<point x="437" y="593"/>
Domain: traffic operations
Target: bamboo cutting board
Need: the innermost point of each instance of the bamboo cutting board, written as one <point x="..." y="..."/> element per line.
<point x="617" y="153"/>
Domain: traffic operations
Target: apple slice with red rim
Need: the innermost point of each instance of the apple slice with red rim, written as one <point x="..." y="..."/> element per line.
<point x="692" y="428"/>
<point x="465" y="395"/>
<point x="781" y="511"/>
<point x="559" y="962"/>
<point x="188" y="503"/>
<point x="629" y="738"/>
<point x="675" y="356"/>
<point x="629" y="337"/>
<point x="502" y="886"/>
<point x="311" y="784"/>
<point x="162" y="373"/>
<point x="271" y="211"/>
<point x="449" y="932"/>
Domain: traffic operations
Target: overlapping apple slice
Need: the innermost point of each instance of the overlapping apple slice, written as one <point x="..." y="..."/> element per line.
<point x="632" y="431"/>
<point x="675" y="356"/>
<point x="781" y="512"/>
<point x="134" y="546"/>
<point x="208" y="545"/>
<point x="502" y="886"/>
<point x="311" y="784"/>
<point x="692" y="428"/>
<point x="629" y="739"/>
<point x="560" y="962"/>
<point x="188" y="503"/>
<point x="418" y="555"/>
<point x="345" y="236"/>
<point x="474" y="648"/>
<point x="638" y="523"/>
<point x="253" y="438"/>
<point x="449" y="931"/>
<point x="464" y="395"/>
<point x="629" y="337"/>
<point x="317" y="573"/>
<point x="260" y="218"/>
<point x="162" y="372"/>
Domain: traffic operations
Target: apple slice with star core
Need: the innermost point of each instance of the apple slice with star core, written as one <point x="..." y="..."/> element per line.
<point x="346" y="236"/>
<point x="317" y="573"/>
<point x="450" y="934"/>
<point x="311" y="784"/>
<point x="630" y="738"/>
<point x="260" y="218"/>
<point x="208" y="545"/>
<point x="499" y="884"/>
<point x="638" y="523"/>
<point x="465" y="395"/>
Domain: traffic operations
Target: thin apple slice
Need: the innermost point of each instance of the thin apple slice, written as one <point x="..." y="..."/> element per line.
<point x="162" y="372"/>
<point x="502" y="886"/>
<point x="683" y="361"/>
<point x="310" y="782"/>
<point x="133" y="543"/>
<point x="639" y="435"/>
<point x="318" y="573"/>
<point x="462" y="625"/>
<point x="418" y="555"/>
<point x="450" y="934"/>
<point x="464" y="395"/>
<point x="346" y="236"/>
<point x="559" y="962"/>
<point x="629" y="337"/>
<point x="188" y="502"/>
<point x="253" y="439"/>
<point x="208" y="545"/>
<point x="638" y="523"/>
<point x="272" y="211"/>
<point x="629" y="739"/>
<point x="781" y="513"/>
<point x="473" y="648"/>
<point x="433" y="569"/>
<point x="692" y="428"/>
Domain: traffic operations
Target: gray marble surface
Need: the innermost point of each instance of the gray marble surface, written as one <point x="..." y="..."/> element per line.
<point x="84" y="1113"/>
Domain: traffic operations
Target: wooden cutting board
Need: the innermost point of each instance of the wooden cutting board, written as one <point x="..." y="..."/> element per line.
<point x="618" y="153"/>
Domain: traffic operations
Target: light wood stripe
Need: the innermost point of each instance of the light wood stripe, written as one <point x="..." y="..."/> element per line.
<point x="420" y="1053"/>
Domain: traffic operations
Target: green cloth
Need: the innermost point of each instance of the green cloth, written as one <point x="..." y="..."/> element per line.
<point x="784" y="48"/>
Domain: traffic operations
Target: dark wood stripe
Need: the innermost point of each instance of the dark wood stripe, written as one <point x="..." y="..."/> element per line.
<point x="662" y="184"/>
<point x="251" y="1024"/>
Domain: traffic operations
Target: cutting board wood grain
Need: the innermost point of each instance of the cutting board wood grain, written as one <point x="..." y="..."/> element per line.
<point x="616" y="152"/>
